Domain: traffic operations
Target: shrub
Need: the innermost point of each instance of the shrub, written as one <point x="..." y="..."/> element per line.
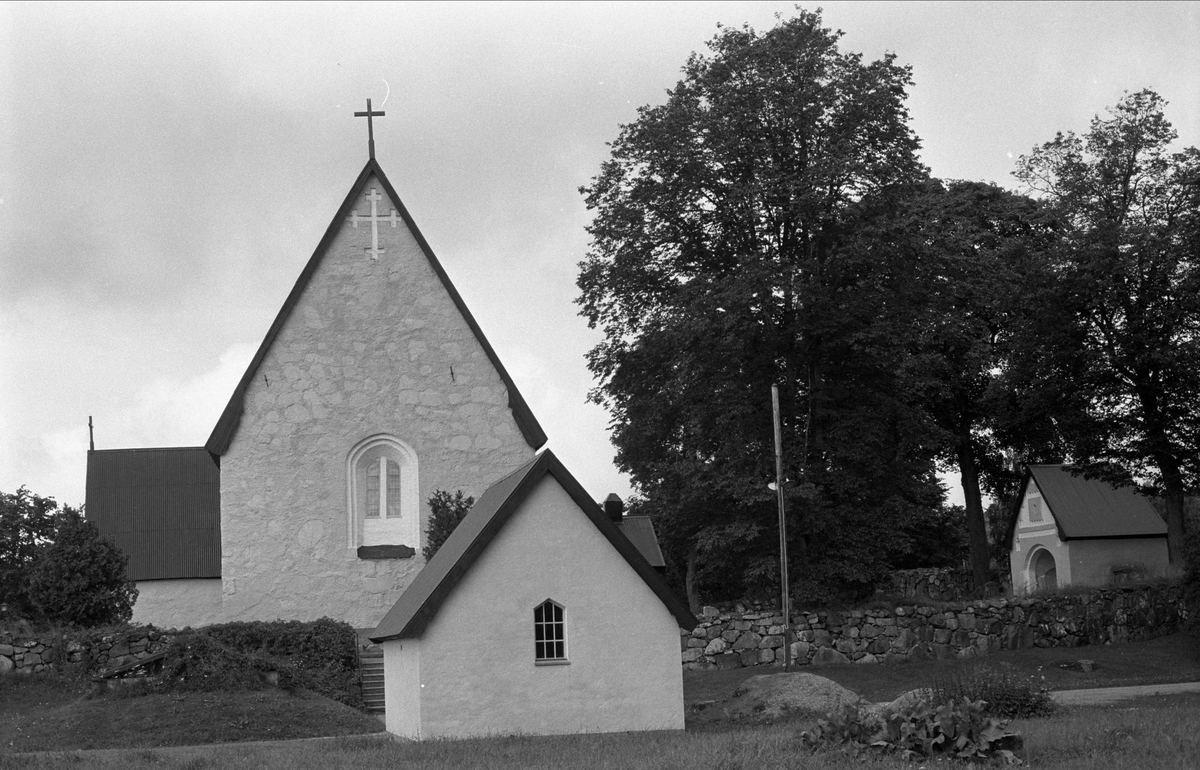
<point x="445" y="512"/>
<point x="954" y="729"/>
<point x="26" y="525"/>
<point x="321" y="656"/>
<point x="1004" y="693"/>
<point x="196" y="661"/>
<point x="79" y="578"/>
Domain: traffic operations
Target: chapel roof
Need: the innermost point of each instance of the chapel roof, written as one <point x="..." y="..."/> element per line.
<point x="417" y="606"/>
<point x="161" y="507"/>
<point x="1091" y="508"/>
<point x="222" y="434"/>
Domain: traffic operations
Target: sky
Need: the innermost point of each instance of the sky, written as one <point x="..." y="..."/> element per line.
<point x="167" y="170"/>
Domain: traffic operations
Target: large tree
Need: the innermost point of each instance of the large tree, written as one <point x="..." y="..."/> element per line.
<point x="972" y="252"/>
<point x="1124" y="327"/>
<point x="724" y="258"/>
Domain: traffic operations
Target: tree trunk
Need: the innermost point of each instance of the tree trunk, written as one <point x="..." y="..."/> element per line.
<point x="689" y="581"/>
<point x="1174" y="498"/>
<point x="981" y="568"/>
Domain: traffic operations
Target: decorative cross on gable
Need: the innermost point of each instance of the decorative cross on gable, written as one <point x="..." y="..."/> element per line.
<point x="374" y="251"/>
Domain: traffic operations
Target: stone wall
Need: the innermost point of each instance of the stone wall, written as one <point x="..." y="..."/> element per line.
<point x="938" y="584"/>
<point x="916" y="632"/>
<point x="33" y="653"/>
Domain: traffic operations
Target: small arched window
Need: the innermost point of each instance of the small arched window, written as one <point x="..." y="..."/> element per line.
<point x="382" y="493"/>
<point x="549" y="633"/>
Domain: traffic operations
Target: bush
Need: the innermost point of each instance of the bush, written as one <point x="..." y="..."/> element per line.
<point x="445" y="512"/>
<point x="79" y="578"/>
<point x="26" y="525"/>
<point x="953" y="729"/>
<point x="196" y="661"/>
<point x="320" y="656"/>
<point x="1004" y="693"/>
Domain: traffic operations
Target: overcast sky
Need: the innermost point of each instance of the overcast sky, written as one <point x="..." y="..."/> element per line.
<point x="167" y="170"/>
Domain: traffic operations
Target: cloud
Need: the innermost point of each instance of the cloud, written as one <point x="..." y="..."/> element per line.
<point x="167" y="411"/>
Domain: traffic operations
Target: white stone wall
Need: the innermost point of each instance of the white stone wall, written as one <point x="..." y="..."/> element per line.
<point x="177" y="603"/>
<point x="1029" y="537"/>
<point x="373" y="346"/>
<point x="622" y="642"/>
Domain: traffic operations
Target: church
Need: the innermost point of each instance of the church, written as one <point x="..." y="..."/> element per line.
<point x="373" y="388"/>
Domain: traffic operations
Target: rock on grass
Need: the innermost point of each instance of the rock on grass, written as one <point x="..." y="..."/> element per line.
<point x="768" y="697"/>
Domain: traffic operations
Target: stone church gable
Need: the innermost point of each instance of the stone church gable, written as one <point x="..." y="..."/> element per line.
<point x="373" y="388"/>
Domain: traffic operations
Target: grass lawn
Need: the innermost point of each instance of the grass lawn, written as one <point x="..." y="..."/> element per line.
<point x="44" y="713"/>
<point x="1155" y="735"/>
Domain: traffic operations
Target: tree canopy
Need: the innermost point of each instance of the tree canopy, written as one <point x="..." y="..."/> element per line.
<point x="770" y="222"/>
<point x="1121" y="333"/>
<point x="724" y="258"/>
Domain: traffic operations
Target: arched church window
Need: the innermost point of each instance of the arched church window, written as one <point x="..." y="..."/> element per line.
<point x="383" y="507"/>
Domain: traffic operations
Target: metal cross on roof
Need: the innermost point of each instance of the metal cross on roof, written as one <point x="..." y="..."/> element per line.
<point x="370" y="126"/>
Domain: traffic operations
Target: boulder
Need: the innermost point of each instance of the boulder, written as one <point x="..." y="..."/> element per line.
<point x="829" y="655"/>
<point x="768" y="697"/>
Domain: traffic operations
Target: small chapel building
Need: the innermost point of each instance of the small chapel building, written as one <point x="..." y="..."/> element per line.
<point x="373" y="388"/>
<point x="582" y="632"/>
<point x="1070" y="530"/>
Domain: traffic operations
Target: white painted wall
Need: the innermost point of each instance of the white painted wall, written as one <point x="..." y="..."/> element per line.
<point x="1029" y="537"/>
<point x="178" y="603"/>
<point x="1092" y="561"/>
<point x="368" y="349"/>
<point x="402" y="687"/>
<point x="477" y="669"/>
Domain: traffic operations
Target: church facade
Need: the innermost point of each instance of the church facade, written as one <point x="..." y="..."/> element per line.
<point x="373" y="388"/>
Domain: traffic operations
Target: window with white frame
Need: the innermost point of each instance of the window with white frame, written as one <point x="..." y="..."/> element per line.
<point x="549" y="633"/>
<point x="382" y="493"/>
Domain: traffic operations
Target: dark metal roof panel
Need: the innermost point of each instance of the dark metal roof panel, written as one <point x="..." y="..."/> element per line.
<point x="412" y="612"/>
<point x="222" y="434"/>
<point x="1091" y="508"/>
<point x="162" y="507"/>
<point x="640" y="531"/>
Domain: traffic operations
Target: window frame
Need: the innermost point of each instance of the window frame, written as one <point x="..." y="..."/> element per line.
<point x="556" y="642"/>
<point x="401" y="528"/>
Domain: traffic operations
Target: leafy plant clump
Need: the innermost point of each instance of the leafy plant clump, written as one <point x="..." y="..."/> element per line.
<point x="1004" y="693"/>
<point x="445" y="512"/>
<point x="319" y="656"/>
<point x="954" y="729"/>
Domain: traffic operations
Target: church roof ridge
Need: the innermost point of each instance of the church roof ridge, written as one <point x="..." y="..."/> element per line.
<point x="227" y="425"/>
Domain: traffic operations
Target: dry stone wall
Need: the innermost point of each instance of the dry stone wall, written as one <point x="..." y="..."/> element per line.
<point x="31" y="654"/>
<point x="917" y="632"/>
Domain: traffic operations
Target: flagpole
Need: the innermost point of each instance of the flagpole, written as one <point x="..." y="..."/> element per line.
<point x="783" y="560"/>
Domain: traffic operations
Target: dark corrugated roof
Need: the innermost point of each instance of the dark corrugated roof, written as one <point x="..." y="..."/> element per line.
<point x="640" y="531"/>
<point x="420" y="602"/>
<point x="1091" y="508"/>
<point x="162" y="507"/>
<point x="227" y="425"/>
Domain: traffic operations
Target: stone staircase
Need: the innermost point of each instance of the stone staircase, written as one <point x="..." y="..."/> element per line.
<point x="370" y="669"/>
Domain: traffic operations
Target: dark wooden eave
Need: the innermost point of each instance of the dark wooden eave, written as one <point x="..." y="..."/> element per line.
<point x="222" y="434"/>
<point x="417" y="606"/>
